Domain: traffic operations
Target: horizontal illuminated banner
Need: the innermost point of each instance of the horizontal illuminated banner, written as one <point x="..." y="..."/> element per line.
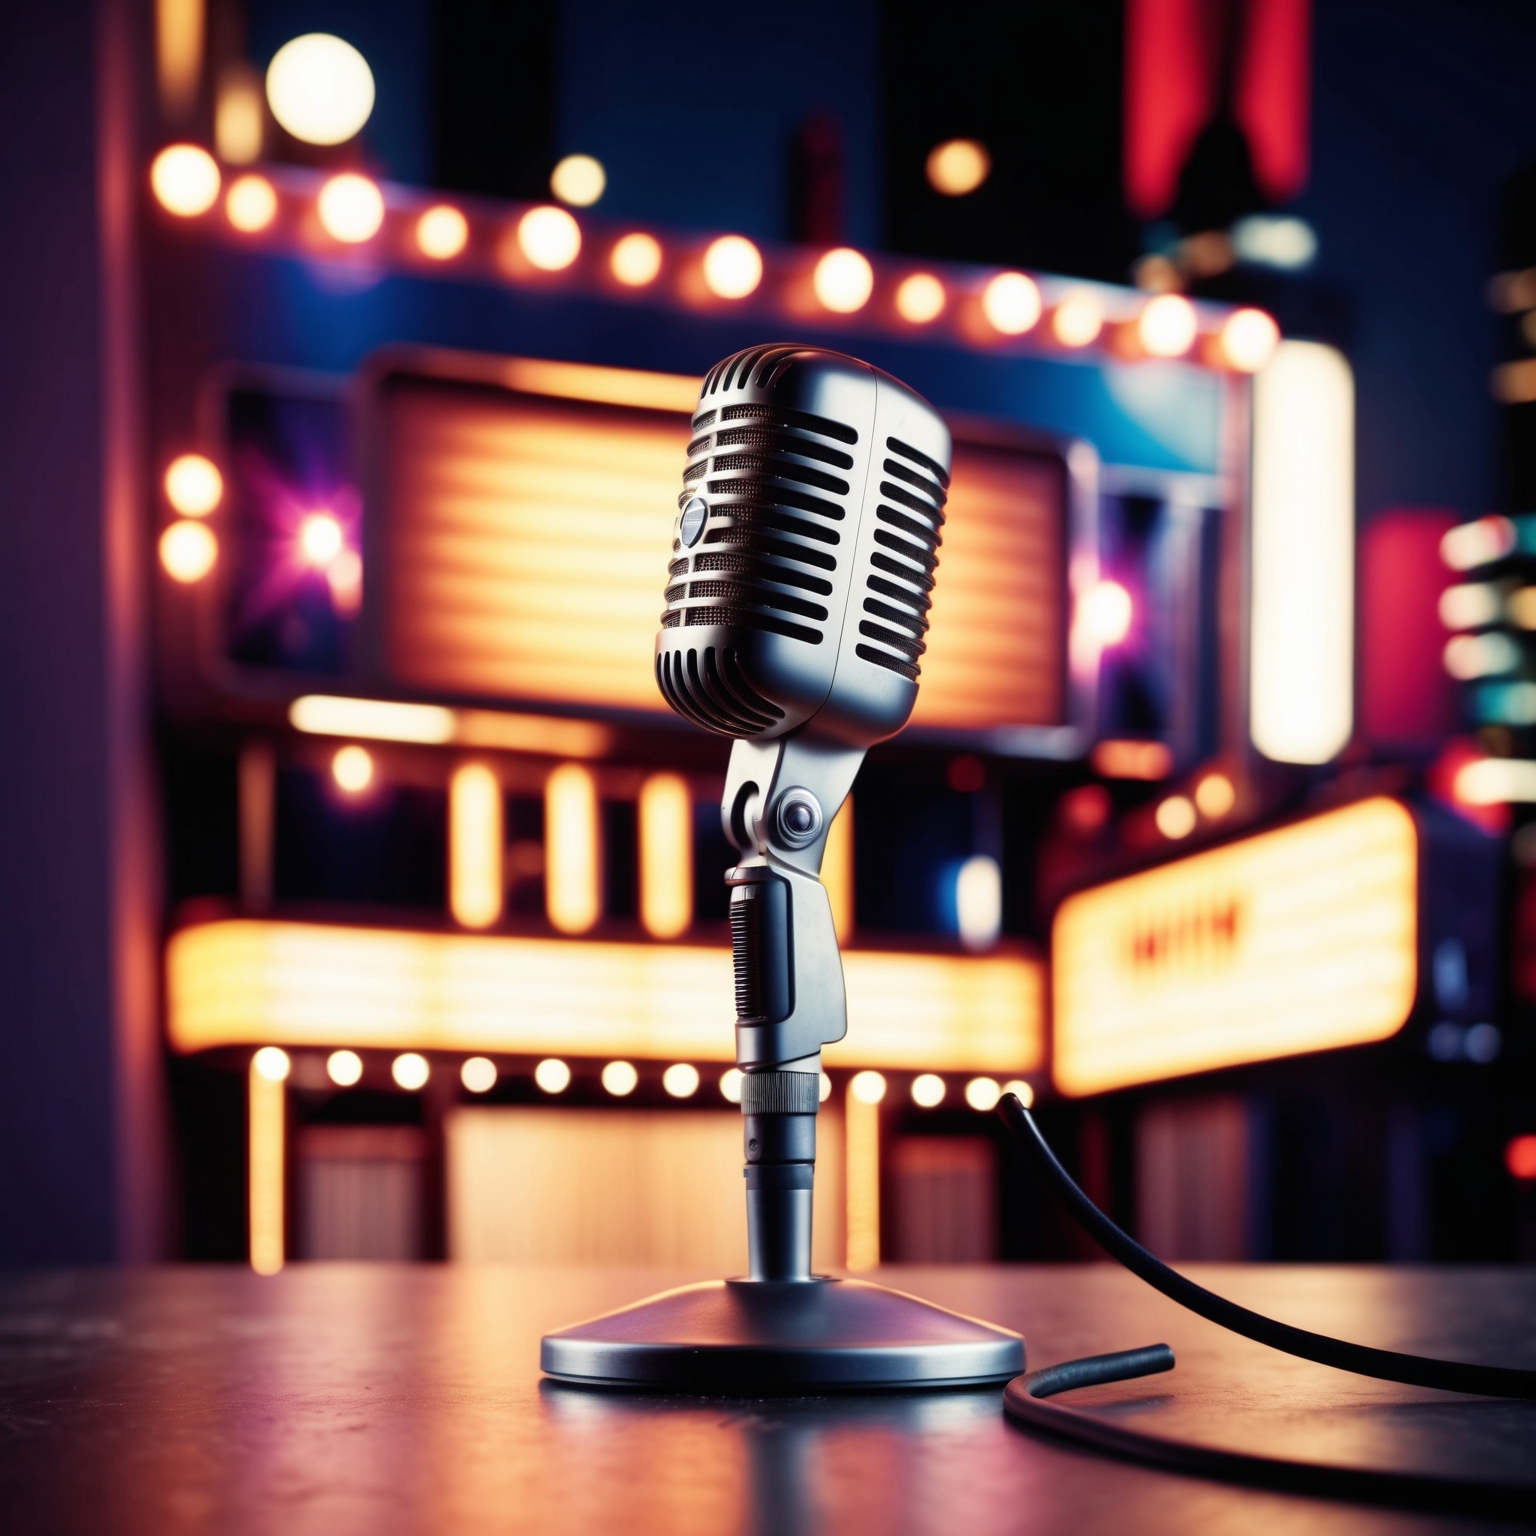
<point x="1296" y="940"/>
<point x="256" y="982"/>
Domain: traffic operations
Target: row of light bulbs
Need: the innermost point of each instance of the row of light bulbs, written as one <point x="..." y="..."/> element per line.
<point x="351" y="210"/>
<point x="412" y="1071"/>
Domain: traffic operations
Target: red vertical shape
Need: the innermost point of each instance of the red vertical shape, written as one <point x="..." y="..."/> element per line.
<point x="1167" y="97"/>
<point x="1407" y="701"/>
<point x="1273" y="96"/>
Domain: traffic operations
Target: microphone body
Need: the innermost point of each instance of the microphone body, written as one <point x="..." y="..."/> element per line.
<point x="798" y="591"/>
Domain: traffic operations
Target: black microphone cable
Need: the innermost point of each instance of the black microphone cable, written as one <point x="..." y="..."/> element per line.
<point x="1024" y="1397"/>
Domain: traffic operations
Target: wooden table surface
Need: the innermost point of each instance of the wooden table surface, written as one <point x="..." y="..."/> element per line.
<point x="379" y="1399"/>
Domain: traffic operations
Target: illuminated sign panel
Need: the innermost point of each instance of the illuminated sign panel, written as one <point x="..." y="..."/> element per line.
<point x="246" y="981"/>
<point x="524" y="535"/>
<point x="1296" y="940"/>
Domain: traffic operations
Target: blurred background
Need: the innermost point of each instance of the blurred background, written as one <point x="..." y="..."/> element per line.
<point x="359" y="897"/>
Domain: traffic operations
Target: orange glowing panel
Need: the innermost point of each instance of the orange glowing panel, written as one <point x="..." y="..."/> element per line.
<point x="997" y="649"/>
<point x="244" y="980"/>
<point x="1302" y="939"/>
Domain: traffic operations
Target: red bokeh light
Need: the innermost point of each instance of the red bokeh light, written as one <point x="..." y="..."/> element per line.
<point x="1520" y="1157"/>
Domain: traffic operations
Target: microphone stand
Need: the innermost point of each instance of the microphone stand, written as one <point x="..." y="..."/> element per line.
<point x="783" y="1328"/>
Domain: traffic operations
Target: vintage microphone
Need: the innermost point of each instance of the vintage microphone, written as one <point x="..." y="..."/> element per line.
<point x="797" y="601"/>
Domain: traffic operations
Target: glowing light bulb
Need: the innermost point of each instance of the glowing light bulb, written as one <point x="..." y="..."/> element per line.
<point x="442" y="232"/>
<point x="549" y="238"/>
<point x="578" y="180"/>
<point x="320" y="538"/>
<point x="320" y="88"/>
<point x="188" y="551"/>
<point x="730" y="1085"/>
<point x="1011" y="303"/>
<point x="681" y="1080"/>
<point x="478" y="1074"/>
<point x="733" y="267"/>
<point x="250" y="204"/>
<point x="1167" y="326"/>
<point x="410" y="1071"/>
<point x="352" y="769"/>
<point x="1248" y="339"/>
<point x="185" y="180"/>
<point x="1105" y="611"/>
<point x="1176" y="817"/>
<point x="928" y="1090"/>
<point x="193" y="485"/>
<point x="867" y="1087"/>
<point x="1215" y="795"/>
<point x="636" y="260"/>
<point x="958" y="166"/>
<point x="1077" y="321"/>
<point x="920" y="298"/>
<point x="982" y="1093"/>
<point x="552" y="1075"/>
<point x="620" y="1079"/>
<point x="272" y="1064"/>
<point x="843" y="281"/>
<point x="351" y="208"/>
<point x="344" y="1068"/>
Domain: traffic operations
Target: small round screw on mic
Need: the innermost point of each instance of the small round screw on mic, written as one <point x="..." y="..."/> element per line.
<point x="797" y="818"/>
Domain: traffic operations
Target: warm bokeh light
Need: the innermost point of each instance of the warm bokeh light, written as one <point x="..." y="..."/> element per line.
<point x="1167" y="326"/>
<point x="1496" y="781"/>
<point x="982" y="1093"/>
<point x="733" y="267"/>
<point x="843" y="281"/>
<point x="1475" y="603"/>
<point x="351" y="208"/>
<point x="251" y="204"/>
<point x="320" y="714"/>
<point x="344" y="1068"/>
<point x="1479" y="542"/>
<point x="1077" y="320"/>
<point x="1104" y="613"/>
<point x="552" y="1075"/>
<point x="1249" y="339"/>
<point x="578" y="180"/>
<point x="1149" y="972"/>
<point x="620" y="1079"/>
<point x="1520" y="1157"/>
<point x="572" y="849"/>
<point x="410" y="1071"/>
<point x="320" y="88"/>
<point x="181" y="28"/>
<point x="837" y="875"/>
<point x="636" y="260"/>
<point x="352" y="769"/>
<point x="320" y="539"/>
<point x="442" y="232"/>
<point x="188" y="551"/>
<point x="958" y="166"/>
<point x="665" y="816"/>
<point x="1215" y="795"/>
<point x="824" y="1089"/>
<point x="185" y="180"/>
<point x="1146" y="760"/>
<point x="549" y="237"/>
<point x="239" y="115"/>
<point x="979" y="902"/>
<point x="920" y="298"/>
<point x="266" y="1177"/>
<point x="271" y="1063"/>
<point x="1011" y="303"/>
<point x="730" y="1085"/>
<point x="193" y="485"/>
<point x="1175" y="817"/>
<point x="867" y="1087"/>
<point x="681" y="1080"/>
<point x="1021" y="1090"/>
<point x="476" y="881"/>
<point x="928" y="1090"/>
<point x="478" y="1074"/>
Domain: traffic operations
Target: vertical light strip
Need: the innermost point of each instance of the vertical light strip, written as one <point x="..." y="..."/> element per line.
<point x="837" y="871"/>
<point x="265" y="1159"/>
<point x="258" y="801"/>
<point x="861" y="1174"/>
<point x="666" y="855"/>
<point x="475" y="883"/>
<point x="1302" y="668"/>
<point x="179" y="27"/>
<point x="572" y="849"/>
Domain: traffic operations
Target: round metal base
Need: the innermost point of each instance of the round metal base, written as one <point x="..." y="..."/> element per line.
<point x="777" y="1336"/>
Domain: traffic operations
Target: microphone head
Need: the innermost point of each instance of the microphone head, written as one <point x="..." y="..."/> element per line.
<point x="804" y="551"/>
